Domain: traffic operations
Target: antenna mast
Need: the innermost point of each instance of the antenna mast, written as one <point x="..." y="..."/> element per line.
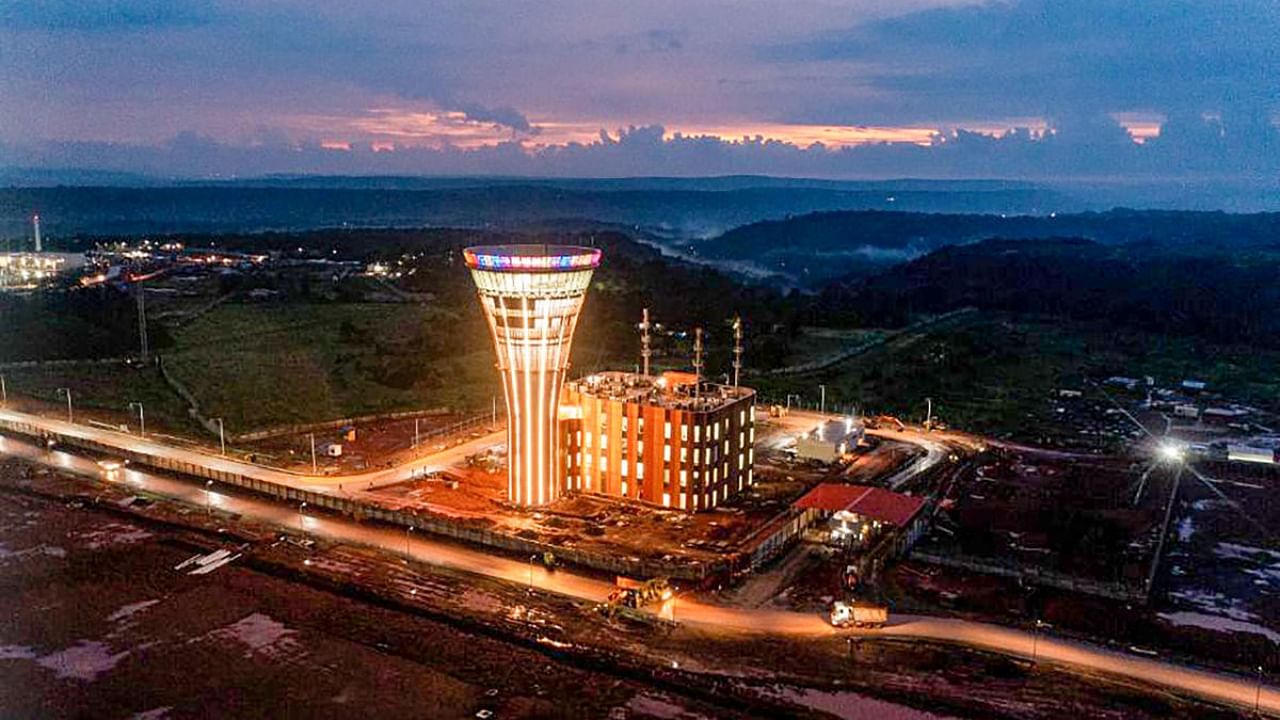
<point x="737" y="349"/>
<point x="645" y="351"/>
<point x="697" y="362"/>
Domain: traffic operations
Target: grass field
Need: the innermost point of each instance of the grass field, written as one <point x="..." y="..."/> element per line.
<point x="103" y="387"/>
<point x="270" y="364"/>
<point x="995" y="374"/>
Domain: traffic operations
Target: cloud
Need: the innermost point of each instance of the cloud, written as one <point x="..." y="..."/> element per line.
<point x="103" y="15"/>
<point x="1044" y="57"/>
<point x="504" y="116"/>
<point x="1082" y="148"/>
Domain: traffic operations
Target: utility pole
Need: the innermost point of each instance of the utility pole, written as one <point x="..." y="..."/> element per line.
<point x="67" y="392"/>
<point x="645" y="350"/>
<point x="737" y="349"/>
<point x="313" y="454"/>
<point x="142" y="321"/>
<point x="142" y="419"/>
<point x="697" y="362"/>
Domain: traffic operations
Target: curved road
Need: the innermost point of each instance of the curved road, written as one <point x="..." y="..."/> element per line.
<point x="1217" y="687"/>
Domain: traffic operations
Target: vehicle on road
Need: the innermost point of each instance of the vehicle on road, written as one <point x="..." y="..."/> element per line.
<point x="859" y="615"/>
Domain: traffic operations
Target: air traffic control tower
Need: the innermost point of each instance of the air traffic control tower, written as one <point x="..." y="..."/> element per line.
<point x="531" y="295"/>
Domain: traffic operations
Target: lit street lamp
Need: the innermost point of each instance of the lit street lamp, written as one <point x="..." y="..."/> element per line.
<point x="142" y="419"/>
<point x="67" y="392"/>
<point x="1035" y="638"/>
<point x="222" y="436"/>
<point x="1257" y="694"/>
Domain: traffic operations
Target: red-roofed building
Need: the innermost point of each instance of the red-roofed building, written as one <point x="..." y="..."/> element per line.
<point x="859" y="514"/>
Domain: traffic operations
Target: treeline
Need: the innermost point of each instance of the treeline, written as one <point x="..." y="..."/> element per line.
<point x="1222" y="297"/>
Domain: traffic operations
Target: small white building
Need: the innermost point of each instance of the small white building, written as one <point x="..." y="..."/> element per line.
<point x="830" y="441"/>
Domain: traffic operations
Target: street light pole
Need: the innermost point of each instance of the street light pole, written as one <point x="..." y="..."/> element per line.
<point x="407" y="530"/>
<point x="1257" y="694"/>
<point x="313" y="454"/>
<point x="1035" y="639"/>
<point x="67" y="392"/>
<point x="416" y="435"/>
<point x="823" y="406"/>
<point x="222" y="436"/>
<point x="4" y="392"/>
<point x="302" y="526"/>
<point x="531" y="559"/>
<point x="208" y="497"/>
<point x="142" y="419"/>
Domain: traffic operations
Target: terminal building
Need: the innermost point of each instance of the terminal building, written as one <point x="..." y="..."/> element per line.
<point x="673" y="440"/>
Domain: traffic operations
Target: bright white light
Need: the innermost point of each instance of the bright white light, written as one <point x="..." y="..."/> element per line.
<point x="1170" y="453"/>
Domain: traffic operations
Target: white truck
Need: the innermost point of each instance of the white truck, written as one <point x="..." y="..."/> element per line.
<point x="859" y="615"/>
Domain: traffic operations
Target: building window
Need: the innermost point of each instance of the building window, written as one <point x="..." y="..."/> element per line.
<point x="624" y="467"/>
<point x="666" y="499"/>
<point x="684" y="478"/>
<point x="666" y="453"/>
<point x="717" y="429"/>
<point x="684" y="433"/>
<point x="667" y="431"/>
<point x="624" y="487"/>
<point x="697" y="433"/>
<point x="639" y="471"/>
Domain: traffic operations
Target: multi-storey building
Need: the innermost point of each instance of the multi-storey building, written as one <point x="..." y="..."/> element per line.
<point x="671" y="441"/>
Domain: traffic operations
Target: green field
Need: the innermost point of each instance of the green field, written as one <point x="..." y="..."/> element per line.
<point x="103" y="387"/>
<point x="270" y="364"/>
<point x="994" y="374"/>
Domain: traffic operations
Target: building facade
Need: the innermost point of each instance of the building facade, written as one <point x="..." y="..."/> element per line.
<point x="531" y="296"/>
<point x="670" y="441"/>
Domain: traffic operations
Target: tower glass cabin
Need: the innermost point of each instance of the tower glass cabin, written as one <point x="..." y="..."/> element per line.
<point x="531" y="295"/>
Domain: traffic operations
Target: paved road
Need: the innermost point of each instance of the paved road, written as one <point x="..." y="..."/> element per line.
<point x="1214" y="686"/>
<point x="318" y="483"/>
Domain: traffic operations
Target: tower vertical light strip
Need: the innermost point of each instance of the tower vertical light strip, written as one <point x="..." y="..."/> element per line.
<point x="531" y="295"/>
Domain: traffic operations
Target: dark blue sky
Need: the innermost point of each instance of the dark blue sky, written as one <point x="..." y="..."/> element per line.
<point x="1023" y="88"/>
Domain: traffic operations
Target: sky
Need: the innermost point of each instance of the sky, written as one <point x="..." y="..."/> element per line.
<point x="825" y="88"/>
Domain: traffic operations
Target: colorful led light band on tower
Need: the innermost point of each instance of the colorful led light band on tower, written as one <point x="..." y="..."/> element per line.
<point x="531" y="295"/>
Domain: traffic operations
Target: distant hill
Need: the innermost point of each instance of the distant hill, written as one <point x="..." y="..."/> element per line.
<point x="1225" y="297"/>
<point x="818" y="247"/>
<point x="672" y="208"/>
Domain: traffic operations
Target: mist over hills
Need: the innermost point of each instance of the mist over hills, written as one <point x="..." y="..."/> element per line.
<point x="818" y="247"/>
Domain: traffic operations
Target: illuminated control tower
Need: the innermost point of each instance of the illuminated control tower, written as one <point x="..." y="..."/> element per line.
<point x="531" y="295"/>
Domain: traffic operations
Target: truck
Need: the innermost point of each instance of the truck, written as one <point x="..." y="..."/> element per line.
<point x="858" y="614"/>
<point x="635" y="594"/>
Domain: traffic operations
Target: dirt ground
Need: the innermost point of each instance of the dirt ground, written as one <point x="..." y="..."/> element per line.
<point x="1073" y="514"/>
<point x="376" y="444"/>
<point x="96" y="623"/>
